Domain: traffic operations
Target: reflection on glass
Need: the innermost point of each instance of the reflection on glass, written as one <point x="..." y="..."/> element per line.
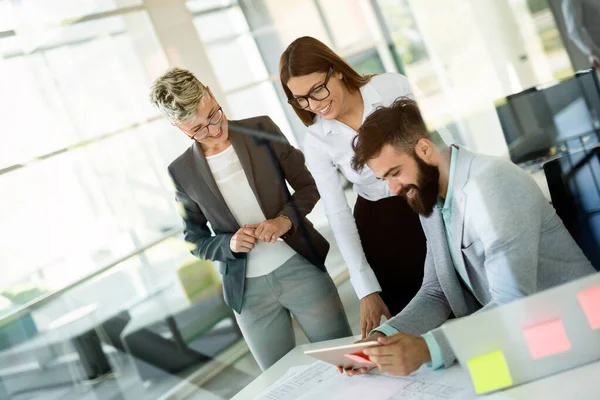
<point x="347" y="23"/>
<point x="106" y="199"/>
<point x="7" y="17"/>
<point x="221" y="23"/>
<point x="204" y="5"/>
<point x="226" y="57"/>
<point x="367" y="62"/>
<point x="80" y="88"/>
<point x="546" y="32"/>
<point x="260" y="99"/>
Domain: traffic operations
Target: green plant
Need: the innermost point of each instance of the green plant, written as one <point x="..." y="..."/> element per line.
<point x="536" y="6"/>
<point x="24" y="293"/>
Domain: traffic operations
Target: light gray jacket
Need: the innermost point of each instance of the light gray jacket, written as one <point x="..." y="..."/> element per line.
<point x="512" y="241"/>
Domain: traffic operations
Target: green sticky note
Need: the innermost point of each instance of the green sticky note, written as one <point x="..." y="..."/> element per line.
<point x="489" y="372"/>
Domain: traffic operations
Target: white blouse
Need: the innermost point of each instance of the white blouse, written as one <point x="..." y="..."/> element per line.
<point x="328" y="148"/>
<point x="239" y="197"/>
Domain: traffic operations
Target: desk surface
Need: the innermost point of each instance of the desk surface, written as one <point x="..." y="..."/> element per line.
<point x="580" y="383"/>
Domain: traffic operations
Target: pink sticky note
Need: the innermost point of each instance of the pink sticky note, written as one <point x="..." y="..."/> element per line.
<point x="359" y="357"/>
<point x="590" y="302"/>
<point x="547" y="338"/>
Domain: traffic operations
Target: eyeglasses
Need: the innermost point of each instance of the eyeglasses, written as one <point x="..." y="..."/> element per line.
<point x="214" y="119"/>
<point x="319" y="93"/>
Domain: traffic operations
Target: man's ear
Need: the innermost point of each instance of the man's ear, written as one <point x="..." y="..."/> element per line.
<point x="424" y="149"/>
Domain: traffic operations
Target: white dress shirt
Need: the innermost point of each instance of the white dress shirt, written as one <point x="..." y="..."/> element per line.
<point x="328" y="148"/>
<point x="239" y="197"/>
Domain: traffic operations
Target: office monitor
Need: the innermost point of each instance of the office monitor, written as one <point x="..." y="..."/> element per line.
<point x="537" y="119"/>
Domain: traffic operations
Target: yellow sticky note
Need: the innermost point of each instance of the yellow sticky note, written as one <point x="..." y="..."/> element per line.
<point x="489" y="372"/>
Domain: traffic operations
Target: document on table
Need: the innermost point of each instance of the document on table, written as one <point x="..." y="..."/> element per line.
<point x="320" y="380"/>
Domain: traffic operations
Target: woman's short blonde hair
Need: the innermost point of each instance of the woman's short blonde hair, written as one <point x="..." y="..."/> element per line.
<point x="177" y="93"/>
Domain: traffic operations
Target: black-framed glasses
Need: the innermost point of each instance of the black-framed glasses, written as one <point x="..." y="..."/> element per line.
<point x="319" y="93"/>
<point x="214" y="119"/>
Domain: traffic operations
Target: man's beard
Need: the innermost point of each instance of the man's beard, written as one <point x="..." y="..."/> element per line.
<point x="426" y="191"/>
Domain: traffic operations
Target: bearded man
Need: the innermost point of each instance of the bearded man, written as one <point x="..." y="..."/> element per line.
<point x="492" y="236"/>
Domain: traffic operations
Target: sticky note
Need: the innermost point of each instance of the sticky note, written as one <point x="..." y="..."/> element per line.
<point x="546" y="339"/>
<point x="590" y="302"/>
<point x="489" y="372"/>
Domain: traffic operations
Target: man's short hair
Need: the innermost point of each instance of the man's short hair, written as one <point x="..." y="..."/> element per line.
<point x="399" y="125"/>
<point x="177" y="93"/>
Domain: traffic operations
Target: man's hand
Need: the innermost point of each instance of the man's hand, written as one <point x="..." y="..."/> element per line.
<point x="372" y="308"/>
<point x="399" y="354"/>
<point x="363" y="370"/>
<point x="271" y="229"/>
<point x="371" y="338"/>
<point x="243" y="241"/>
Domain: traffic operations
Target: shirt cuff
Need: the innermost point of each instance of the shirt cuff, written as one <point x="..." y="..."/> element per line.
<point x="364" y="282"/>
<point x="386" y="329"/>
<point x="437" y="360"/>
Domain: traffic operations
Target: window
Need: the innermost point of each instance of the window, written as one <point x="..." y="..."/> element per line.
<point x="80" y="100"/>
<point x="86" y="87"/>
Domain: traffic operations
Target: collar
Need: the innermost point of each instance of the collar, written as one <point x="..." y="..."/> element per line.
<point x="371" y="99"/>
<point x="447" y="203"/>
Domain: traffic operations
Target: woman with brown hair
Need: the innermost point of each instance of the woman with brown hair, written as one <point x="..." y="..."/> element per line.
<point x="383" y="244"/>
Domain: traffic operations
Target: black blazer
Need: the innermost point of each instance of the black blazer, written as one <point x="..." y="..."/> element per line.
<point x="268" y="162"/>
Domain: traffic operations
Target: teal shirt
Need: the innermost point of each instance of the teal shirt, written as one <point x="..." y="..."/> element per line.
<point x="445" y="207"/>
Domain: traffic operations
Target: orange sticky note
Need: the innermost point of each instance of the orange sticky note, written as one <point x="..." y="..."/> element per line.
<point x="590" y="302"/>
<point x="547" y="338"/>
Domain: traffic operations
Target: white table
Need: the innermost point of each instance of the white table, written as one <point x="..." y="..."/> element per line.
<point x="578" y="384"/>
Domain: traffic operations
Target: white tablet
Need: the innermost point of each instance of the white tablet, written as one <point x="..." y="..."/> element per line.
<point x="348" y="356"/>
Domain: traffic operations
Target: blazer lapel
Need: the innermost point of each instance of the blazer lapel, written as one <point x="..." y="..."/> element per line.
<point x="447" y="275"/>
<point x="461" y="176"/>
<point x="239" y="142"/>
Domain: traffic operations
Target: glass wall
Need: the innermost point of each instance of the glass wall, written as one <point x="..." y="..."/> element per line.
<point x="459" y="64"/>
<point x="88" y="216"/>
<point x="83" y="158"/>
<point x="257" y="32"/>
<point x="540" y="27"/>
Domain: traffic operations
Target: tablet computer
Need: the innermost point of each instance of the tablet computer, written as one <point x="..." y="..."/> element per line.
<point x="348" y="356"/>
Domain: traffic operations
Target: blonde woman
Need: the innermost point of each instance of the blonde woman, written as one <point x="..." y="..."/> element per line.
<point x="238" y="185"/>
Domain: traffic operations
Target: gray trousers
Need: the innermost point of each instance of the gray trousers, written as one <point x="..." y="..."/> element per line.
<point x="296" y="287"/>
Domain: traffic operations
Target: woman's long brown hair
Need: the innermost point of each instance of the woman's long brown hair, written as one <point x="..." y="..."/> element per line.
<point x="307" y="55"/>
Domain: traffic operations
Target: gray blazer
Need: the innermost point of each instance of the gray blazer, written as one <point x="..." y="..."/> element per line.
<point x="268" y="164"/>
<point x="512" y="242"/>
